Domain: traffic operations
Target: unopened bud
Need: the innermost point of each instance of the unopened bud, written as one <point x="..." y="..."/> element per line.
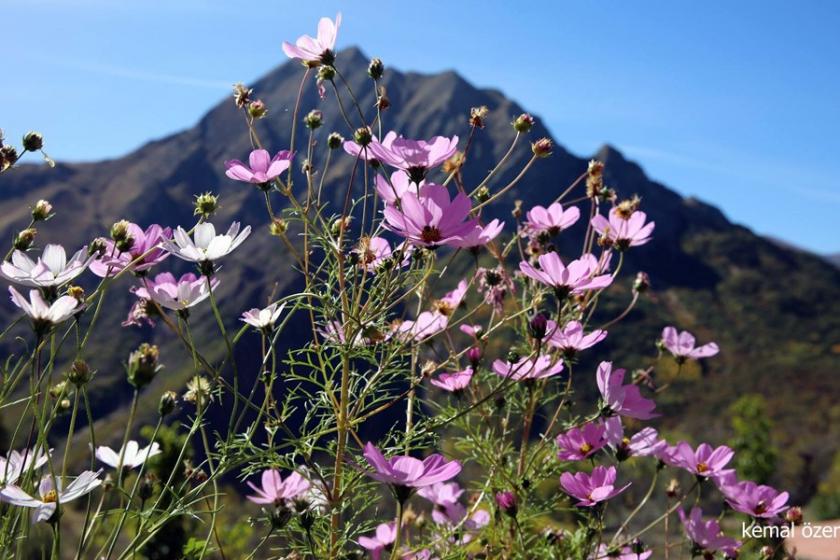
<point x="314" y="119"/>
<point x="33" y="141"/>
<point x="334" y="140"/>
<point x="143" y="365"/>
<point x="80" y="373"/>
<point x="482" y="194"/>
<point x="25" y="238"/>
<point x="537" y="326"/>
<point x="507" y="502"/>
<point x="278" y="227"/>
<point x="206" y="205"/>
<point x="119" y="231"/>
<point x="376" y="68"/>
<point x="642" y="282"/>
<point x="362" y="136"/>
<point x="146" y="489"/>
<point x="794" y="515"/>
<point x="168" y="402"/>
<point x="97" y="247"/>
<point x="257" y="109"/>
<point x="474" y="356"/>
<point x="673" y="489"/>
<point x="523" y="123"/>
<point x="542" y="148"/>
<point x="767" y="552"/>
<point x="42" y="210"/>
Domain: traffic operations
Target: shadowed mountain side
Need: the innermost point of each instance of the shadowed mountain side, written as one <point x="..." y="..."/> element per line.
<point x="773" y="310"/>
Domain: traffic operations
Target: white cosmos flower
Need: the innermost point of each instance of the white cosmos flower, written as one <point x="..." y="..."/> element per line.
<point x="263" y="318"/>
<point x="176" y="294"/>
<point x="133" y="456"/>
<point x="49" y="496"/>
<point x="40" y="311"/>
<point x="51" y="269"/>
<point x="20" y="462"/>
<point x="205" y="244"/>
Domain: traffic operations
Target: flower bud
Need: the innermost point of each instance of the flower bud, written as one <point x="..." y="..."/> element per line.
<point x="542" y="148"/>
<point x="119" y="231"/>
<point x="794" y="515"/>
<point x="523" y="123"/>
<point x="642" y="282"/>
<point x="146" y="489"/>
<point x="24" y="239"/>
<point x="314" y="119"/>
<point x="58" y="390"/>
<point x="97" y="247"/>
<point x="41" y="211"/>
<point x="537" y="326"/>
<point x="478" y="115"/>
<point x="507" y="502"/>
<point x="33" y="141"/>
<point x="482" y="195"/>
<point x="513" y="356"/>
<point x="257" y="109"/>
<point x="241" y="95"/>
<point x="168" y="402"/>
<point x="376" y="68"/>
<point x="362" y="136"/>
<point x="334" y="140"/>
<point x="766" y="552"/>
<point x="206" y="205"/>
<point x="80" y="373"/>
<point x="340" y="224"/>
<point x="474" y="356"/>
<point x="673" y="489"/>
<point x="278" y="227"/>
<point x="143" y="365"/>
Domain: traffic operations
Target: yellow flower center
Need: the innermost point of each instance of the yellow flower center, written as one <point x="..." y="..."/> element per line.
<point x="50" y="497"/>
<point x="585" y="448"/>
<point x="702" y="467"/>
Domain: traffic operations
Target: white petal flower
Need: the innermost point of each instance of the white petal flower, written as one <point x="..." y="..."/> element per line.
<point x="51" y="269"/>
<point x="20" y="462"/>
<point x="40" y="312"/>
<point x="263" y="318"/>
<point x="133" y="456"/>
<point x="205" y="245"/>
<point x="49" y="496"/>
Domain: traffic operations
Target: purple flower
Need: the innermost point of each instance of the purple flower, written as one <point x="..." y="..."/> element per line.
<point x="274" y="490"/>
<point x="390" y="192"/>
<point x="604" y="552"/>
<point x="415" y="157"/>
<point x="372" y="252"/>
<point x="507" y="502"/>
<point x="453" y="382"/>
<point x="427" y="324"/>
<point x="579" y="443"/>
<point x="442" y="493"/>
<point x="177" y="295"/>
<point x="365" y="153"/>
<point x="707" y="535"/>
<point x="431" y="219"/>
<point x="571" y="338"/>
<point x="383" y="538"/>
<point x="51" y="269"/>
<point x="704" y="461"/>
<point x="407" y="472"/>
<point x="682" y="345"/>
<point x="551" y="220"/>
<point x="261" y="168"/>
<point x="316" y="50"/>
<point x="581" y="274"/>
<point x="625" y="400"/>
<point x="481" y="236"/>
<point x="757" y="500"/>
<point x="450" y="302"/>
<point x="145" y="244"/>
<point x="589" y="489"/>
<point x="624" y="232"/>
<point x="527" y="368"/>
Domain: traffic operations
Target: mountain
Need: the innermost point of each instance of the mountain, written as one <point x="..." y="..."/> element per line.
<point x="773" y="310"/>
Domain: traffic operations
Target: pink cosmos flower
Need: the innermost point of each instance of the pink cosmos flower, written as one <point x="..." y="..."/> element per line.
<point x="452" y="300"/>
<point x="527" y="369"/>
<point x="372" y="252"/>
<point x="590" y="489"/>
<point x="625" y="400"/>
<point x="471" y="330"/>
<point x="707" y="535"/>
<point x="50" y="495"/>
<point x="551" y="220"/>
<point x="704" y="461"/>
<point x="581" y="274"/>
<point x="427" y="324"/>
<point x="442" y="493"/>
<point x="480" y="236"/>
<point x="453" y="382"/>
<point x="453" y="514"/>
<point x="316" y="50"/>
<point x="604" y="552"/>
<point x="261" y="168"/>
<point x="644" y="443"/>
<point x="415" y="157"/>
<point x="263" y="318"/>
<point x="274" y="490"/>
<point x="386" y="534"/>
<point x="579" y="443"/>
<point x="407" y="472"/>
<point x="682" y="345"/>
<point x="51" y="269"/>
<point x="757" y="500"/>
<point x="624" y="233"/>
<point x="431" y="219"/>
<point x="145" y="244"/>
<point x="43" y="314"/>
<point x="391" y="192"/>
<point x="177" y="295"/>
<point x="333" y="332"/>
<point x="367" y="154"/>
<point x="571" y="338"/>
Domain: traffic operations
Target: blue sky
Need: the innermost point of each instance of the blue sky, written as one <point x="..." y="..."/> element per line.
<point x="737" y="103"/>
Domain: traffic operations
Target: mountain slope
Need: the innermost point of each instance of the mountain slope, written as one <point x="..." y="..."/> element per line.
<point x="773" y="310"/>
